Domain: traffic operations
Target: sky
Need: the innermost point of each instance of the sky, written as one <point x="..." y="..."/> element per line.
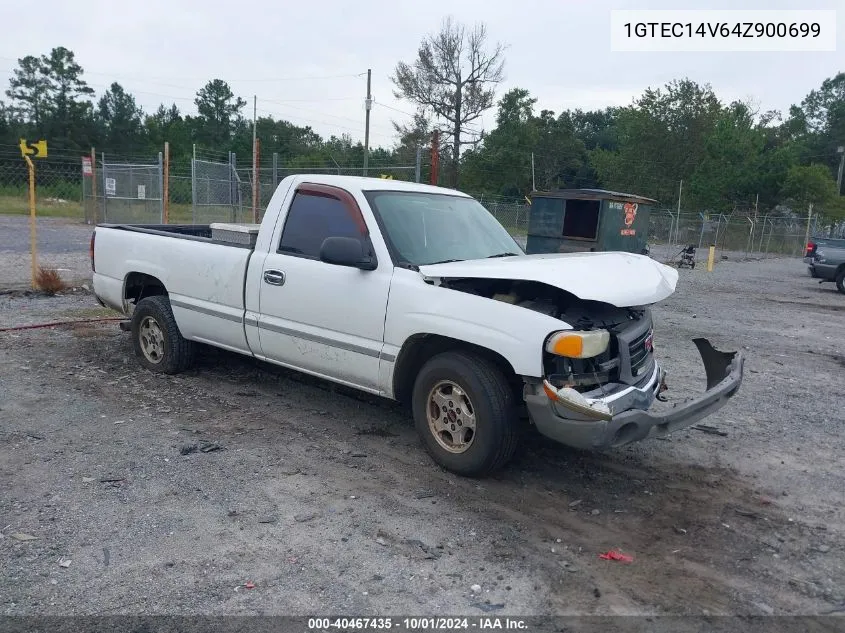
<point x="307" y="61"/>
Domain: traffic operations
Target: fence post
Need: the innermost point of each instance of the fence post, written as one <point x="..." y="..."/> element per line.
<point x="418" y="168"/>
<point x="96" y="208"/>
<point x="33" y="241"/>
<point x="161" y="187"/>
<point x="105" y="196"/>
<point x="236" y="190"/>
<point x="256" y="187"/>
<point x="165" y="194"/>
<point x="750" y="242"/>
<point x="275" y="171"/>
<point x="194" y="186"/>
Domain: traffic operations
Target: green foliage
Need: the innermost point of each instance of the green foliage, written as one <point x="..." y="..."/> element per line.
<point x="813" y="184"/>
<point x="121" y="119"/>
<point x="219" y="113"/>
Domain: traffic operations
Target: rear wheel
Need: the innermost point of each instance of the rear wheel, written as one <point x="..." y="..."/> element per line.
<point x="158" y="344"/>
<point x="465" y="413"/>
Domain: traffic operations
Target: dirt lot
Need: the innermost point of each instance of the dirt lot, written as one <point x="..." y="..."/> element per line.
<point x="325" y="501"/>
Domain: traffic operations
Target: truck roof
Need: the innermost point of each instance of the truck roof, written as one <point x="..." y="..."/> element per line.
<point x="362" y="183"/>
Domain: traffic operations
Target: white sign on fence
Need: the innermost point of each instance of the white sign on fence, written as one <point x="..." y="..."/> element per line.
<point x="87" y="170"/>
<point x="142" y="192"/>
<point x="111" y="186"/>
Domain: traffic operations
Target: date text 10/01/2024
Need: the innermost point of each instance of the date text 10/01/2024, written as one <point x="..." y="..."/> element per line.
<point x="416" y="624"/>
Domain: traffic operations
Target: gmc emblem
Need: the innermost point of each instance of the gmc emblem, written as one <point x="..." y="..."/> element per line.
<point x="649" y="342"/>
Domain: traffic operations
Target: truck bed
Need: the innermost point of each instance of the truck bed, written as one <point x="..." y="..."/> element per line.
<point x="197" y="232"/>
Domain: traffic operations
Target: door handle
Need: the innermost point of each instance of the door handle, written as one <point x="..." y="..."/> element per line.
<point x="274" y="277"/>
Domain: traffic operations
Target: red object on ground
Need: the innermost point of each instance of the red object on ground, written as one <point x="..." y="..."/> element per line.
<point x="614" y="555"/>
<point x="249" y="584"/>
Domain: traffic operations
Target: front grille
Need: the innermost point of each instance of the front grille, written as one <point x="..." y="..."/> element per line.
<point x="640" y="353"/>
<point x="636" y="357"/>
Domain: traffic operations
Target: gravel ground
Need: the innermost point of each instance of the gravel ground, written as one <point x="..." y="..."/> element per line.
<point x="172" y="494"/>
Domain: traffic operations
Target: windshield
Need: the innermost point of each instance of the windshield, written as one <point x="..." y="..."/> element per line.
<point x="429" y="228"/>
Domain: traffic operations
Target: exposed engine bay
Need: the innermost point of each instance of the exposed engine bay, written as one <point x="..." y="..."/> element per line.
<point x="631" y="326"/>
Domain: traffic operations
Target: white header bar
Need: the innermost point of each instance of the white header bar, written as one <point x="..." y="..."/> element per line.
<point x="722" y="31"/>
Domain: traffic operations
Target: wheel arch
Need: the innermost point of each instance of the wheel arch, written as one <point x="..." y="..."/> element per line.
<point x="421" y="347"/>
<point x="138" y="285"/>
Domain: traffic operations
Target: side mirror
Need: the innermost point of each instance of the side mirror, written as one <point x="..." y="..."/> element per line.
<point x="346" y="251"/>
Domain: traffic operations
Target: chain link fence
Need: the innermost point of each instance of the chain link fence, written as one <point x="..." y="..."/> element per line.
<point x="210" y="186"/>
<point x="131" y="193"/>
<point x="740" y="234"/>
<point x="511" y="213"/>
<point x="58" y="186"/>
<point x="216" y="190"/>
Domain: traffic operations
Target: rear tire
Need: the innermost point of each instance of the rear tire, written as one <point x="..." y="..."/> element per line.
<point x="158" y="344"/>
<point x="840" y="281"/>
<point x="465" y="413"/>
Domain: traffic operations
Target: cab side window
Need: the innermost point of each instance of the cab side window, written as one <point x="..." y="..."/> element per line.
<point x="311" y="219"/>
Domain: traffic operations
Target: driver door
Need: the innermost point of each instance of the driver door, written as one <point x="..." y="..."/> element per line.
<point x="321" y="318"/>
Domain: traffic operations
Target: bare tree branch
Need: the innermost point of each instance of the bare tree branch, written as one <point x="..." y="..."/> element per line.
<point x="454" y="77"/>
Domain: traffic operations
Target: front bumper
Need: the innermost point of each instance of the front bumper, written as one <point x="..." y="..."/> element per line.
<point x="630" y="421"/>
<point x="825" y="272"/>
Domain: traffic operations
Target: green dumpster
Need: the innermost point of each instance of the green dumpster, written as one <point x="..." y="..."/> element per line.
<point x="574" y="220"/>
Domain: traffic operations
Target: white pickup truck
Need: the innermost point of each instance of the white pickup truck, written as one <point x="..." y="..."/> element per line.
<point x="418" y="294"/>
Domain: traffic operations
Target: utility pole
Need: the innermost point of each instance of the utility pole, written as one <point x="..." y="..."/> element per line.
<point x="533" y="182"/>
<point x="841" y="151"/>
<point x="255" y="158"/>
<point x="368" y="105"/>
<point x="435" y="157"/>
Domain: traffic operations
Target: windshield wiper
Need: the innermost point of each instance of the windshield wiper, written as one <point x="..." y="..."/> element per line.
<point x="445" y="261"/>
<point x="503" y="255"/>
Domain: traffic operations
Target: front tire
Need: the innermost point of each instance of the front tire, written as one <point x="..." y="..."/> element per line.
<point x="465" y="413"/>
<point x="840" y="281"/>
<point x="158" y="344"/>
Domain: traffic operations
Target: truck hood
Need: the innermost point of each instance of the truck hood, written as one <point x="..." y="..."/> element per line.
<point x="620" y="279"/>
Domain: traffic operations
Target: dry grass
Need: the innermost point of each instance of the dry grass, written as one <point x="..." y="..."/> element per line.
<point x="49" y="280"/>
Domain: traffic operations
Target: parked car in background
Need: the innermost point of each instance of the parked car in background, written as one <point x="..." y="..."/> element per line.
<point x="813" y="245"/>
<point x="828" y="263"/>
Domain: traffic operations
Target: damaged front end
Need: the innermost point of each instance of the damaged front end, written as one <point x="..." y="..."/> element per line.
<point x="600" y="374"/>
<point x="615" y="414"/>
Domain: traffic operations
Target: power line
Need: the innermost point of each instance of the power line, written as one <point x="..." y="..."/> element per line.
<point x="384" y="105"/>
<point x="318" y="121"/>
<point x="155" y="79"/>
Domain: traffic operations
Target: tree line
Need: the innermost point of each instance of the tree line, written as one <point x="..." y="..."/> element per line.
<point x="723" y="156"/>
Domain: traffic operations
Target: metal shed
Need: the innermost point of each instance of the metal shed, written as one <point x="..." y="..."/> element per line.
<point x="573" y="220"/>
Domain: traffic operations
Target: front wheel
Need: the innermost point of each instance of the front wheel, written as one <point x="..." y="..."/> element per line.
<point x="840" y="281"/>
<point x="156" y="338"/>
<point x="465" y="413"/>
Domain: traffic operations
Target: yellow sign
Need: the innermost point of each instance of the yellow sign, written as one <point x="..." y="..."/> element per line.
<point x="36" y="150"/>
<point x="385" y="177"/>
